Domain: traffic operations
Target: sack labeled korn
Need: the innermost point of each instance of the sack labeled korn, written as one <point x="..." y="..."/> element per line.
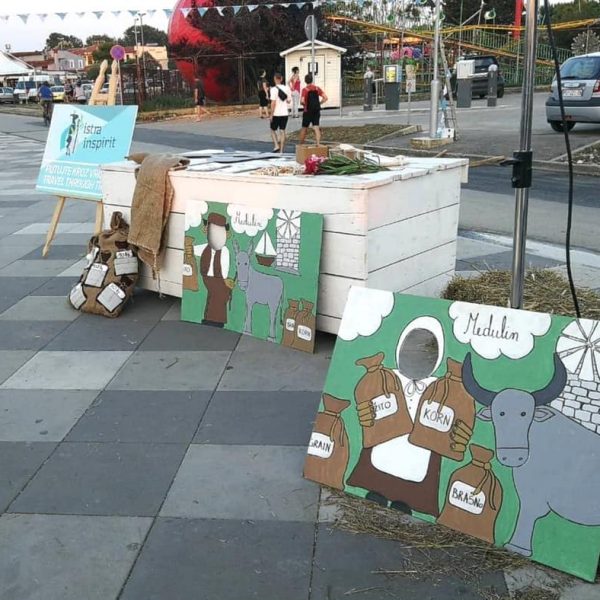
<point x="380" y="403"/>
<point x="110" y="275"/>
<point x="306" y="325"/>
<point x="474" y="497"/>
<point x="328" y="451"/>
<point x="446" y="415"/>
<point x="289" y="323"/>
<point x="190" y="267"/>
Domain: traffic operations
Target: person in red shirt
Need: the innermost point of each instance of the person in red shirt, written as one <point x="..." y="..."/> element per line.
<point x="311" y="99"/>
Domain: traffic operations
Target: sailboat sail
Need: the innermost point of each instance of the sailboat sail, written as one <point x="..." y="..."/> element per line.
<point x="265" y="246"/>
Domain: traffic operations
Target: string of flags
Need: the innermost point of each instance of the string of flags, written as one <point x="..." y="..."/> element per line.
<point x="151" y="12"/>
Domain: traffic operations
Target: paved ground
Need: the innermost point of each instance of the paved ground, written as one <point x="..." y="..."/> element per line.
<point x="146" y="458"/>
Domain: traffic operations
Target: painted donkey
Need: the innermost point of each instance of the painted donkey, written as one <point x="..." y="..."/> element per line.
<point x="260" y="288"/>
<point x="554" y="459"/>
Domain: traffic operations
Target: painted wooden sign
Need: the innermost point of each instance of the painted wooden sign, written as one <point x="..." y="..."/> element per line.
<point x="499" y="437"/>
<point x="253" y="270"/>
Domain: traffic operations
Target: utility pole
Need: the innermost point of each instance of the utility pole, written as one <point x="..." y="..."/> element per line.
<point x="435" y="80"/>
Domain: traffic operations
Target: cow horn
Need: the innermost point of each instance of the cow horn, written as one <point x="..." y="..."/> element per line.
<point x="556" y="385"/>
<point x="480" y="394"/>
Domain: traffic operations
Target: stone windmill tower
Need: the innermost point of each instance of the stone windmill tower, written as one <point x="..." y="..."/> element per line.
<point x="288" y="241"/>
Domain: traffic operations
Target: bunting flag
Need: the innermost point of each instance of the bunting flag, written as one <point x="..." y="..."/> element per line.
<point x="133" y="13"/>
<point x="185" y="12"/>
<point x="80" y="14"/>
<point x="168" y="12"/>
<point x="98" y="13"/>
<point x="236" y="9"/>
<point x="202" y="11"/>
<point x="4" y="18"/>
<point x="151" y="12"/>
<point x="219" y="10"/>
<point x="61" y="15"/>
<point x="24" y="18"/>
<point x="116" y="13"/>
<point x="42" y="16"/>
<point x="252" y="7"/>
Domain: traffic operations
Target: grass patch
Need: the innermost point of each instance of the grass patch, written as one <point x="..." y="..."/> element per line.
<point x="166" y="103"/>
<point x="360" y="134"/>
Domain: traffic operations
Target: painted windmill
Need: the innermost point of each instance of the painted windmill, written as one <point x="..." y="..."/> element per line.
<point x="288" y="240"/>
<point x="578" y="347"/>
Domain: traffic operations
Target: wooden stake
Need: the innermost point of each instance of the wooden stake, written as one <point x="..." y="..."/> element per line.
<point x="99" y="217"/>
<point x="60" y="204"/>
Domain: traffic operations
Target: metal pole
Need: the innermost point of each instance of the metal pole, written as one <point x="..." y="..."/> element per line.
<point x="460" y="31"/>
<point x="435" y="81"/>
<point x="312" y="48"/>
<point x="522" y="192"/>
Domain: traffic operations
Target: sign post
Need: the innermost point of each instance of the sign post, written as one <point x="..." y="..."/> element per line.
<point x="310" y="29"/>
<point x="411" y="84"/>
<point x="117" y="53"/>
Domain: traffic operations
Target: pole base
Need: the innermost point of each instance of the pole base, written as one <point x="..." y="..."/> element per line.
<point x="426" y="142"/>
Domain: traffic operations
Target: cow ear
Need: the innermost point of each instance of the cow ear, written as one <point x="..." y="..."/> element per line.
<point x="485" y="414"/>
<point x="542" y="413"/>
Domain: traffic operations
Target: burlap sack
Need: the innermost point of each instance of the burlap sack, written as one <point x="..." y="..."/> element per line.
<point x="289" y="323"/>
<point x="328" y="451"/>
<point x="111" y="273"/>
<point x="380" y="403"/>
<point x="306" y="326"/>
<point x="446" y="415"/>
<point x="474" y="497"/>
<point x="190" y="266"/>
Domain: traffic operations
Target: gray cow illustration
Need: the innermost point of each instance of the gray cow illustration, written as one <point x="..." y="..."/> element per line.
<point x="260" y="288"/>
<point x="554" y="459"/>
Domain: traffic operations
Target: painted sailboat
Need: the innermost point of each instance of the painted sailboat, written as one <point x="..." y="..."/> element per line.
<point x="265" y="252"/>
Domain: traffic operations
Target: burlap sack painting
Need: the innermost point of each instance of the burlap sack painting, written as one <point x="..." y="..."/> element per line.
<point x="512" y="456"/>
<point x="252" y="270"/>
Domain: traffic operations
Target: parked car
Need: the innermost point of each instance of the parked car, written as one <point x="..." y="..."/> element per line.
<point x="58" y="93"/>
<point x="581" y="92"/>
<point x="479" y="86"/>
<point x="7" y="95"/>
<point x="26" y="91"/>
<point x="87" y="90"/>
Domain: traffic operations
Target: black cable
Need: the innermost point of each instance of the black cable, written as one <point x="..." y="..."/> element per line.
<point x="569" y="156"/>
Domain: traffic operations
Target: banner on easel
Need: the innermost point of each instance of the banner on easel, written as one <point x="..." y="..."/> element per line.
<point x="81" y="138"/>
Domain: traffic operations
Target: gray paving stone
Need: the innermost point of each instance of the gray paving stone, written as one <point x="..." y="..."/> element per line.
<point x="502" y="260"/>
<point x="12" y="289"/>
<point x="95" y="332"/>
<point x="189" y="336"/>
<point x="102" y="479"/>
<point x="66" y="557"/>
<point x="40" y="415"/>
<point x="35" y="268"/>
<point x="20" y="460"/>
<point x="266" y="418"/>
<point x="12" y="360"/>
<point x="40" y="308"/>
<point x="160" y="417"/>
<point x="9" y="254"/>
<point x="28" y="335"/>
<point x="242" y="482"/>
<point x="68" y="252"/>
<point x="57" y="286"/>
<point x="223" y="560"/>
<point x="347" y="565"/>
<point x="260" y="365"/>
<point x="67" y="371"/>
<point x="177" y="371"/>
<point x="174" y="313"/>
<point x="145" y="305"/>
<point x="75" y="269"/>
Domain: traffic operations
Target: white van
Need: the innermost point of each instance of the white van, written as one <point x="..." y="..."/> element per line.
<point x="27" y="86"/>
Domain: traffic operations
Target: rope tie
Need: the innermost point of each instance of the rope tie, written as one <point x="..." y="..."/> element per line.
<point x="336" y="421"/>
<point x="487" y="467"/>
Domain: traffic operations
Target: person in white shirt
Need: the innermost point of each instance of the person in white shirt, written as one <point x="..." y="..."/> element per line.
<point x="214" y="269"/>
<point x="281" y="98"/>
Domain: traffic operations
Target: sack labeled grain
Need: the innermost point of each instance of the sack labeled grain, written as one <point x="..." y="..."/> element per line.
<point x="380" y="403"/>
<point x="446" y="415"/>
<point x="328" y="451"/>
<point x="474" y="497"/>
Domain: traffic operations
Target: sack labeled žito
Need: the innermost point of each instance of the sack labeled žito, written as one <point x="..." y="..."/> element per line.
<point x="380" y="403"/>
<point x="474" y="497"/>
<point x="110" y="275"/>
<point x="446" y="415"/>
<point x="328" y="451"/>
<point x="289" y="323"/>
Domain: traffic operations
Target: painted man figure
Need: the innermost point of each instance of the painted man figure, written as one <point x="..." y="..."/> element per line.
<point x="214" y="269"/>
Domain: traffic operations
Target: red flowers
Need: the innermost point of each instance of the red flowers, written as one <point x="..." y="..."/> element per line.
<point x="312" y="164"/>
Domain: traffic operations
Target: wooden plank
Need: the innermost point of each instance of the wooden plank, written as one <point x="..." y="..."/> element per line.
<point x="432" y="288"/>
<point x="411" y="237"/>
<point x="168" y="288"/>
<point x="171" y="268"/>
<point x="60" y="204"/>
<point x="118" y="187"/>
<point x="328" y="324"/>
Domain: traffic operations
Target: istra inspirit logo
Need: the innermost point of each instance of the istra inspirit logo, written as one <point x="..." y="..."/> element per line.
<point x="85" y="135"/>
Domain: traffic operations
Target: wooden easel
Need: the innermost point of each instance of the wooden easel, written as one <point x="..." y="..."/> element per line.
<point x="98" y="98"/>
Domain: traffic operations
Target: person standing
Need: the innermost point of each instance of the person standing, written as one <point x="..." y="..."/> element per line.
<point x="311" y="100"/>
<point x="280" y="101"/>
<point x="214" y="269"/>
<point x="263" y="95"/>
<point x="294" y="85"/>
<point x="68" y="91"/>
<point x="200" y="99"/>
<point x="79" y="93"/>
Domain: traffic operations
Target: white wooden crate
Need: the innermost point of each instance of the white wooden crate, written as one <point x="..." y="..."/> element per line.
<point x="393" y="230"/>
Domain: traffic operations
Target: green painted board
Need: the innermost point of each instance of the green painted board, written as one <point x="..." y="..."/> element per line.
<point x="253" y="270"/>
<point x="480" y="418"/>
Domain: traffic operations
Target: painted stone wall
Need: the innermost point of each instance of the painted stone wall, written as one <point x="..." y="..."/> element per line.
<point x="581" y="402"/>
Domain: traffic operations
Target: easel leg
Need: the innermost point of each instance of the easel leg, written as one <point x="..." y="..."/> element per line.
<point x="99" y="217"/>
<point x="60" y="204"/>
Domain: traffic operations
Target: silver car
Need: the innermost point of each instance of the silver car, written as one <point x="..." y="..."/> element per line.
<point x="7" y="95"/>
<point x="581" y="92"/>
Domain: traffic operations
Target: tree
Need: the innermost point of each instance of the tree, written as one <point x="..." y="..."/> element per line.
<point x="152" y="35"/>
<point x="101" y="38"/>
<point x="63" y="41"/>
<point x="102" y="52"/>
<point x="504" y="9"/>
<point x="572" y="11"/>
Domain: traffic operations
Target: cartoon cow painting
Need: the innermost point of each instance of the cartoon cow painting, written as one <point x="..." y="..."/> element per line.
<point x="554" y="459"/>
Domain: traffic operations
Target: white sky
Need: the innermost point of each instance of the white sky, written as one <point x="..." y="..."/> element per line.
<point x="32" y="36"/>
